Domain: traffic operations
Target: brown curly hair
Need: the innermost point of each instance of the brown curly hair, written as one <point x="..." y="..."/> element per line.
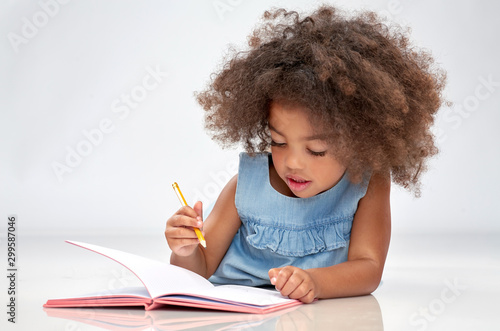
<point x="360" y="78"/>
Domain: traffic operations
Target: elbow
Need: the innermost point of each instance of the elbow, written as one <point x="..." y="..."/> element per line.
<point x="373" y="285"/>
<point x="373" y="278"/>
<point x="369" y="286"/>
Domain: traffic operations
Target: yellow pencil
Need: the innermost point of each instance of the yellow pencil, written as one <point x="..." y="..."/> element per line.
<point x="184" y="203"/>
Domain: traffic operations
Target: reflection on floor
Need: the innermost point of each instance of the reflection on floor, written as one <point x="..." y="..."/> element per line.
<point x="339" y="314"/>
<point x="431" y="282"/>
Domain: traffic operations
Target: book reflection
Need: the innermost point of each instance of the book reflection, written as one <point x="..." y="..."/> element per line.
<point x="357" y="313"/>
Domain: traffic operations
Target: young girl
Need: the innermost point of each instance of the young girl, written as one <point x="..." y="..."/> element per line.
<point x="345" y="105"/>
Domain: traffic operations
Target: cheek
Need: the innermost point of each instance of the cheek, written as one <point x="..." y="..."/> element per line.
<point x="318" y="168"/>
<point x="277" y="155"/>
<point x="326" y="169"/>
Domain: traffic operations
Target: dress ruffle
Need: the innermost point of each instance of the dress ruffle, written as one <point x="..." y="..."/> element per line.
<point x="300" y="241"/>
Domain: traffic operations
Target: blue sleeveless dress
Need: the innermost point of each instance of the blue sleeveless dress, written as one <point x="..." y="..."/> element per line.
<point x="277" y="230"/>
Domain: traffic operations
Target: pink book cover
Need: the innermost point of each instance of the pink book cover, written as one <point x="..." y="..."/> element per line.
<point x="166" y="284"/>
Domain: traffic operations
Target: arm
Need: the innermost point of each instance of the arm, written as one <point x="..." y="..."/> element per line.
<point x="219" y="230"/>
<point x="362" y="271"/>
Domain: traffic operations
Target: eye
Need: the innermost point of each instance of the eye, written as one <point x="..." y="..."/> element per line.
<point x="313" y="153"/>
<point x="275" y="144"/>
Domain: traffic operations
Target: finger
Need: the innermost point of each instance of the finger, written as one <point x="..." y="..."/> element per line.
<point x="292" y="284"/>
<point x="180" y="233"/>
<point x="282" y="279"/>
<point x="308" y="298"/>
<point x="273" y="274"/>
<point x="198" y="208"/>
<point x="180" y="239"/>
<point x="183" y="221"/>
<point x="188" y="211"/>
<point x="303" y="291"/>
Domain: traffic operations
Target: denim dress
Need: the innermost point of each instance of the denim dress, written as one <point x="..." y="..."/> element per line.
<point x="277" y="230"/>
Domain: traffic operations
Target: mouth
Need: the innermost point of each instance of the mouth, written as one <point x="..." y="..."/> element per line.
<point x="296" y="183"/>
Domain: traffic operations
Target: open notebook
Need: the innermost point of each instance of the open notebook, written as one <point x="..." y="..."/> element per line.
<point x="166" y="284"/>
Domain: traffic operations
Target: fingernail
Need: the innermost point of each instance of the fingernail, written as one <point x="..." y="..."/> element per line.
<point x="273" y="280"/>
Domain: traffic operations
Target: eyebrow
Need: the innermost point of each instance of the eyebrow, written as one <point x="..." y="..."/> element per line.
<point x="321" y="136"/>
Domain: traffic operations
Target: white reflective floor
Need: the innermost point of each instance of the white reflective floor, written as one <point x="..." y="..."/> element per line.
<point x="431" y="282"/>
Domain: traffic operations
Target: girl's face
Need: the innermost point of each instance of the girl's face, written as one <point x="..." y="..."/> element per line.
<point x="301" y="157"/>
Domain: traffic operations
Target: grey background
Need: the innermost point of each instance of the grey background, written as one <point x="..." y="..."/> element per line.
<point x="66" y="67"/>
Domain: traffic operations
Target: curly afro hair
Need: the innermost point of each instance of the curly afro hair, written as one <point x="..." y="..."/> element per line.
<point x="360" y="79"/>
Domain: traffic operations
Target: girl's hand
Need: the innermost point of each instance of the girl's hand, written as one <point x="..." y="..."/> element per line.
<point x="179" y="232"/>
<point x="294" y="283"/>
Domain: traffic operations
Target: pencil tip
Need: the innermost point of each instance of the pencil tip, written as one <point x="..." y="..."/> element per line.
<point x="203" y="243"/>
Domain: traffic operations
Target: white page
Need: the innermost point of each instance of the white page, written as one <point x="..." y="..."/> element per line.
<point x="246" y="294"/>
<point x="159" y="278"/>
<point x="120" y="292"/>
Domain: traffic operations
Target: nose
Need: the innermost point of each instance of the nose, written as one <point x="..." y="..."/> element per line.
<point x="293" y="160"/>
